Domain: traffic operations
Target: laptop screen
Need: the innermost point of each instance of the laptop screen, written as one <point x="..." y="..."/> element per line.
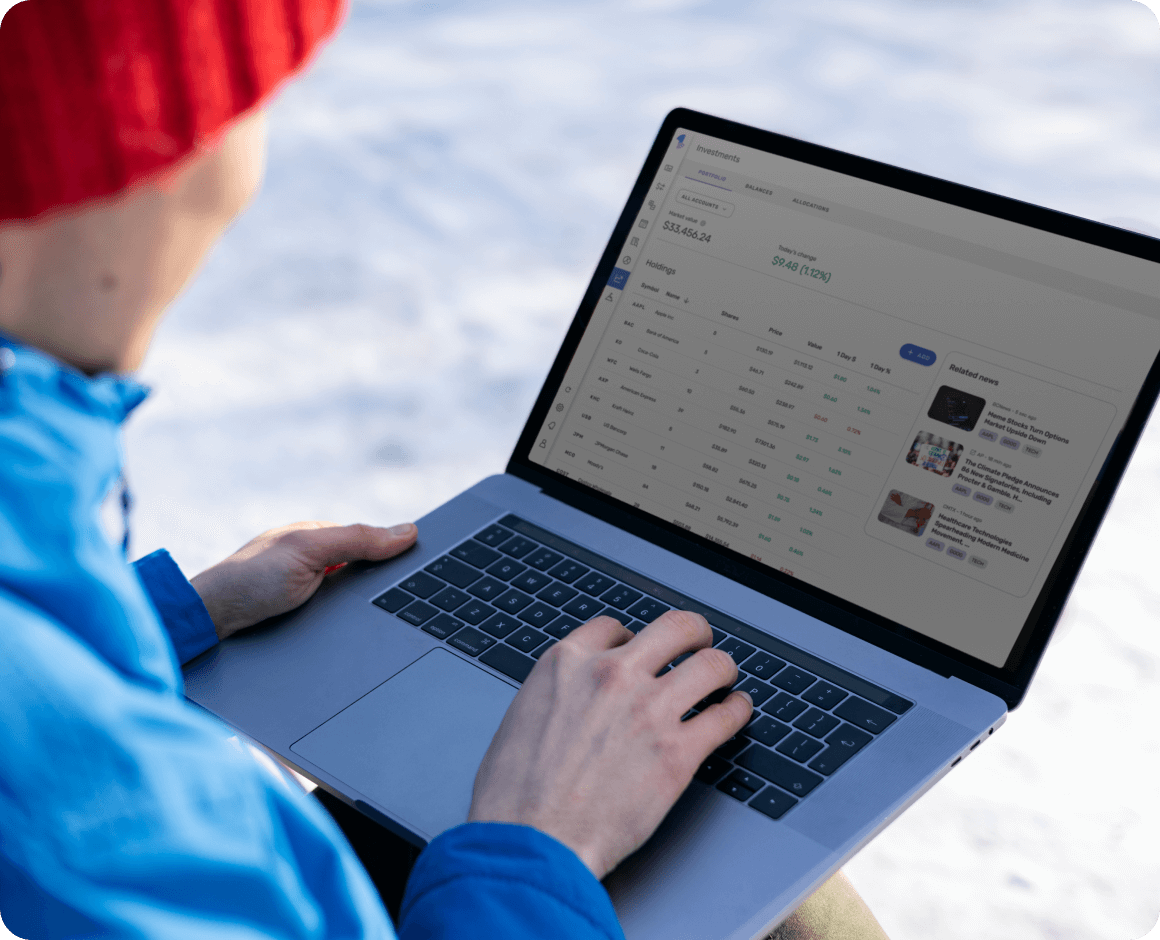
<point x="899" y="401"/>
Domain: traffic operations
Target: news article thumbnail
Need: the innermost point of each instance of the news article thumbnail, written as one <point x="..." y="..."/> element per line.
<point x="905" y="512"/>
<point x="958" y="409"/>
<point x="935" y="454"/>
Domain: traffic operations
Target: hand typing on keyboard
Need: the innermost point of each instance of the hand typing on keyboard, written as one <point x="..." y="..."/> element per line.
<point x="509" y="594"/>
<point x="593" y="750"/>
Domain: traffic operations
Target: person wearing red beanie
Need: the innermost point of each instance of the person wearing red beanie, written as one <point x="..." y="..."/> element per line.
<point x="98" y="95"/>
<point x="131" y="134"/>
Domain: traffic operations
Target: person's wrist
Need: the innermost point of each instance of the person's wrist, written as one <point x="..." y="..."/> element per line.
<point x="599" y="851"/>
<point x="226" y="621"/>
<point x="584" y="848"/>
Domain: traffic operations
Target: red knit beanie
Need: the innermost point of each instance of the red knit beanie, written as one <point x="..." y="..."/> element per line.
<point x="98" y="94"/>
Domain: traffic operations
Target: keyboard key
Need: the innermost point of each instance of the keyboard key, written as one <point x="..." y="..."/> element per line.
<point x="634" y="625"/>
<point x="864" y="715"/>
<point x="505" y="569"/>
<point x="518" y="546"/>
<point x="735" y="648"/>
<point x="718" y="635"/>
<point x="455" y="571"/>
<point x="620" y="596"/>
<point x="540" y="614"/>
<point x="800" y="747"/>
<point x="784" y="772"/>
<point x="817" y="723"/>
<point x="494" y="535"/>
<point x="526" y="639"/>
<point x="758" y="691"/>
<point x="557" y="594"/>
<point x="773" y="802"/>
<point x="511" y="663"/>
<point x="843" y="744"/>
<point x="500" y="625"/>
<point x="562" y="626"/>
<point x="583" y="607"/>
<point x="762" y="665"/>
<point x="746" y="779"/>
<point x="731" y="748"/>
<point x="824" y="695"/>
<point x="793" y="679"/>
<point x="394" y="599"/>
<point x="734" y="789"/>
<point x="487" y="588"/>
<point x="418" y="613"/>
<point x="543" y="649"/>
<point x="767" y="730"/>
<point x="595" y="583"/>
<point x="568" y="571"/>
<point x="475" y="612"/>
<point x="543" y="558"/>
<point x="712" y="770"/>
<point x="443" y="626"/>
<point x="717" y="695"/>
<point x="450" y="598"/>
<point x="531" y="581"/>
<point x="513" y="601"/>
<point x="471" y="641"/>
<point x="421" y="585"/>
<point x="475" y="554"/>
<point x="784" y="706"/>
<point x="648" y="609"/>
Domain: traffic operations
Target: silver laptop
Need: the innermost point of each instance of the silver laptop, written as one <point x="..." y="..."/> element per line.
<point x="867" y="422"/>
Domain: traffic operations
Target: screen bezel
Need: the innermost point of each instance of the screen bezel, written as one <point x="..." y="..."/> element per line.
<point x="1009" y="681"/>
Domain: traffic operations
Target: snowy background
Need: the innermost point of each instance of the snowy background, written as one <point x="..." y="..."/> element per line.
<point x="368" y="339"/>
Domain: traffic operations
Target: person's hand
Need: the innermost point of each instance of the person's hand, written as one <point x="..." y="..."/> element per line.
<point x="593" y="750"/>
<point x="282" y="568"/>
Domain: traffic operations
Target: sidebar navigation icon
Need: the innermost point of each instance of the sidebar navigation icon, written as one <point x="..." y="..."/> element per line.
<point x="618" y="279"/>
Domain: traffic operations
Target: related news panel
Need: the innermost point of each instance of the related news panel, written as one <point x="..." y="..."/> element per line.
<point x="996" y="462"/>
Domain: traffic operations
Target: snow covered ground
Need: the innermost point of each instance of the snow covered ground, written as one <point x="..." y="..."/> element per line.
<point x="368" y="339"/>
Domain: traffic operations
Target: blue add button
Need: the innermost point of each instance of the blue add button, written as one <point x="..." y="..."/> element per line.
<point x="924" y="357"/>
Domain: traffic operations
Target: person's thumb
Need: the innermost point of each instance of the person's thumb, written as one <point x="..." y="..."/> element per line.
<point x="335" y="545"/>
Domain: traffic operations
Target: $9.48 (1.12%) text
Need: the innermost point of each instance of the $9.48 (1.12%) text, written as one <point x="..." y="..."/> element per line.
<point x="798" y="267"/>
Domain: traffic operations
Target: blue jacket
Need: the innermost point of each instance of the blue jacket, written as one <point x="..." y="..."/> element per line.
<point x="124" y="811"/>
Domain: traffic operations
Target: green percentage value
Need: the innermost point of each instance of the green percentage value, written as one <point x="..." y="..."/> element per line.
<point x="798" y="268"/>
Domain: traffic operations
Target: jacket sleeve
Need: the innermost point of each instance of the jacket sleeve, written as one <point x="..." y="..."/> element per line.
<point x="177" y="604"/>
<point x="125" y="812"/>
<point x="492" y="880"/>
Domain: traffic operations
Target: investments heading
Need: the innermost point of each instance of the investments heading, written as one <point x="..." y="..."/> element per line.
<point x="718" y="153"/>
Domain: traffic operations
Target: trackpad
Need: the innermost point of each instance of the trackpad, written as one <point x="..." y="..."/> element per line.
<point x="414" y="743"/>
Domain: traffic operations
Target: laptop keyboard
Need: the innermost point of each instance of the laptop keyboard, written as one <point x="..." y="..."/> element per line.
<point x="505" y="595"/>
